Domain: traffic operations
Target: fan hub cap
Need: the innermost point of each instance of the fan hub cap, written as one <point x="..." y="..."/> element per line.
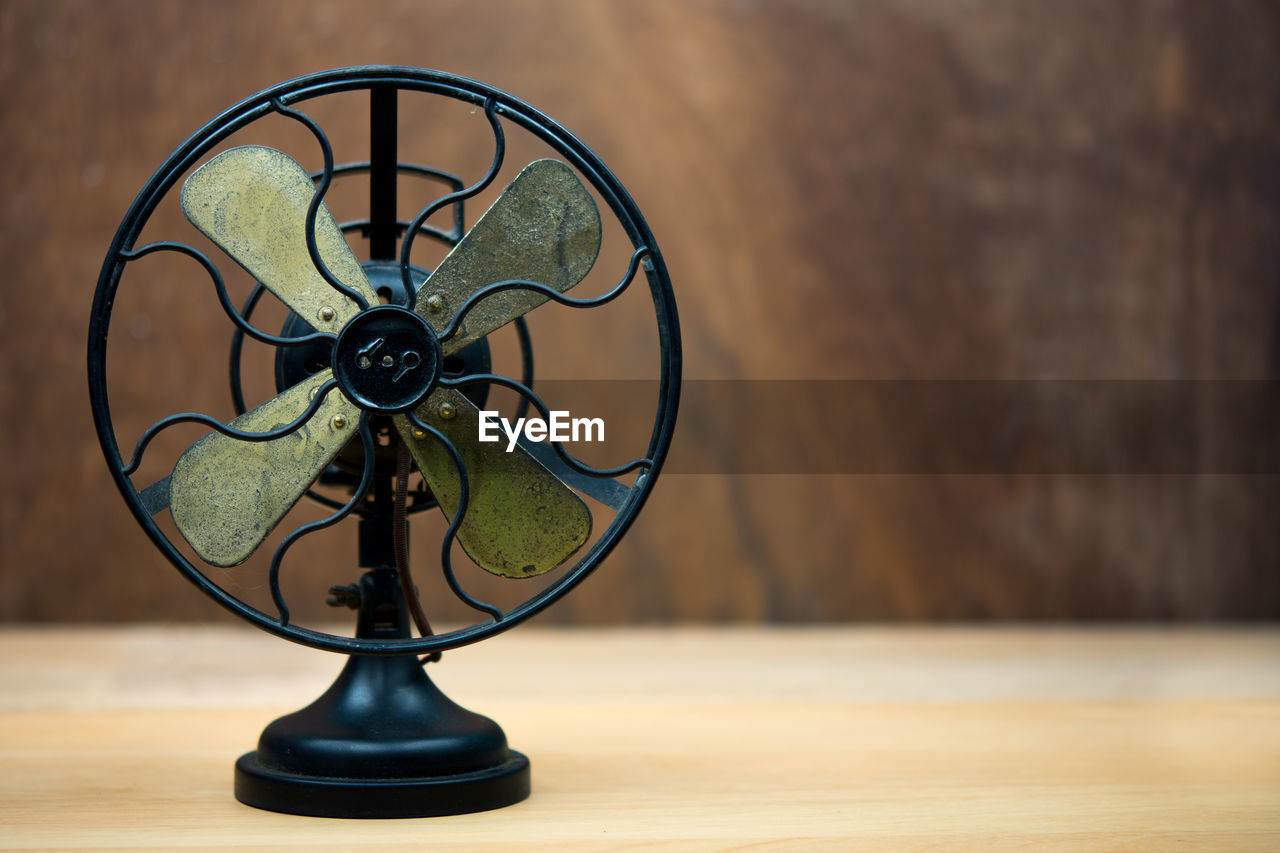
<point x="387" y="359"/>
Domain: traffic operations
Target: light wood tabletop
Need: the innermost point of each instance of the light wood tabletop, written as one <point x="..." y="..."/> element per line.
<point x="866" y="738"/>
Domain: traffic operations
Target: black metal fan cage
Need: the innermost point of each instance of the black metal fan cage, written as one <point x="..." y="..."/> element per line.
<point x="383" y="230"/>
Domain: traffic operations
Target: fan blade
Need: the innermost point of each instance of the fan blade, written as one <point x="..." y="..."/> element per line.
<point x="227" y="494"/>
<point x="520" y="521"/>
<point x="253" y="202"/>
<point x="544" y="228"/>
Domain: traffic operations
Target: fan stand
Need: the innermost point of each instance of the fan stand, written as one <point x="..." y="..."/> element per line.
<point x="383" y="741"/>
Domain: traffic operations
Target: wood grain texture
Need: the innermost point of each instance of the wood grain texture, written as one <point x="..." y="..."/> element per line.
<point x="890" y="189"/>
<point x="879" y="739"/>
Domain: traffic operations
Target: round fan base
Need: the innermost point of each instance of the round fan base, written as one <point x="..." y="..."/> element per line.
<point x="482" y="790"/>
<point x="383" y="741"/>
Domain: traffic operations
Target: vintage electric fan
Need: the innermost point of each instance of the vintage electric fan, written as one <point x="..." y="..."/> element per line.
<point x="382" y="348"/>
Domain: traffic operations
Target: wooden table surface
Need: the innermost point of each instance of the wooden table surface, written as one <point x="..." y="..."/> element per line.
<point x="684" y="739"/>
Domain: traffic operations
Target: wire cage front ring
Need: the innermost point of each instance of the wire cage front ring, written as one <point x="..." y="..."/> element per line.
<point x="498" y="107"/>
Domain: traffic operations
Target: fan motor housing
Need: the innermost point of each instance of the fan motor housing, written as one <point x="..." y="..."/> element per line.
<point x="387" y="359"/>
<point x="295" y="364"/>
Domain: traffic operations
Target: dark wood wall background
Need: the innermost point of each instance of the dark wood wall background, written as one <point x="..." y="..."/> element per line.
<point x="890" y="189"/>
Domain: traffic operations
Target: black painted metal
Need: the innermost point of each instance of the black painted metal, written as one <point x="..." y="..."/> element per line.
<point x="243" y="326"/>
<point x="213" y="423"/>
<point x="358" y="495"/>
<point x="459" y="196"/>
<point x="382" y="741"/>
<point x="498" y="107"/>
<point x="312" y="209"/>
<point x="387" y="359"/>
<point x="446" y="545"/>
<point x="294" y="364"/>
<point x="550" y="292"/>
<point x="450" y="237"/>
<point x="383" y="126"/>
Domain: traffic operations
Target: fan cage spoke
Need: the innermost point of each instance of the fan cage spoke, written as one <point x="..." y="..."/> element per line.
<point x="318" y="199"/>
<point x="237" y="349"/>
<point x="464" y="499"/>
<point x="218" y="426"/>
<point x="458" y="196"/>
<point x="242" y="324"/>
<point x="459" y="217"/>
<point x="366" y="478"/>
<point x="550" y="292"/>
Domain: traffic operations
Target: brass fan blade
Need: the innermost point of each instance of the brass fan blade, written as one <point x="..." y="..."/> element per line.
<point x="227" y="494"/>
<point x="544" y="228"/>
<point x="521" y="521"/>
<point x="252" y="202"/>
